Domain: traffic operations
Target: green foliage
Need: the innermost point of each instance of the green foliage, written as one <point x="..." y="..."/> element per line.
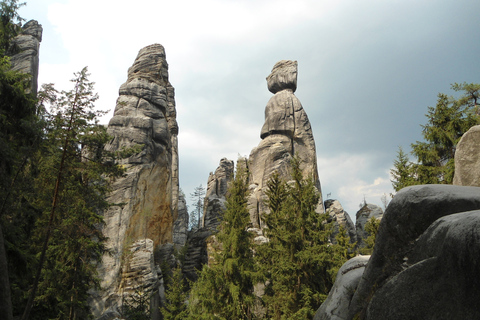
<point x="402" y="172"/>
<point x="298" y="264"/>
<point x="224" y="290"/>
<point x="371" y="227"/>
<point x="10" y="23"/>
<point x="446" y="123"/>
<point x="71" y="184"/>
<point x="176" y="295"/>
<point x="137" y="306"/>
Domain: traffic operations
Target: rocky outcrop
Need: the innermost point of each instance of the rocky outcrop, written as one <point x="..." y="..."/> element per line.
<point x="145" y="200"/>
<point x="363" y="215"/>
<point x="25" y="49"/>
<point x="340" y="218"/>
<point x="285" y="133"/>
<point x="215" y="197"/>
<point x="467" y="159"/>
<point x="335" y="307"/>
<point x="425" y="261"/>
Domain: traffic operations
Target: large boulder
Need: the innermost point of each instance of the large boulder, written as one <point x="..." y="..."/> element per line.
<point x="467" y="159"/>
<point x="286" y="133"/>
<point x="441" y="279"/>
<point x="398" y="248"/>
<point x="145" y="199"/>
<point x="25" y="52"/>
<point x="335" y="307"/>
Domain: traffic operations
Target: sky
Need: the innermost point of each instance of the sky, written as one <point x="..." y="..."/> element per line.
<point x="367" y="71"/>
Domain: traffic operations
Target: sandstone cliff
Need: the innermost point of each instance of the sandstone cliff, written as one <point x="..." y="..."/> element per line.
<point x="25" y="51"/>
<point x="146" y="198"/>
<point x="285" y="133"/>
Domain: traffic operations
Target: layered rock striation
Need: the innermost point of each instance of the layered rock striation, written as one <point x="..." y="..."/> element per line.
<point x="286" y="133"/>
<point x="145" y="200"/>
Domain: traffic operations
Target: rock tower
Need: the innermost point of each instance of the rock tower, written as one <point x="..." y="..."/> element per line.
<point x="285" y="133"/>
<point x="146" y="198"/>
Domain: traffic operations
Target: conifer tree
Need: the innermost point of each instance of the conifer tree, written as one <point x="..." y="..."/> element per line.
<point x="71" y="188"/>
<point x="298" y="261"/>
<point x="371" y="227"/>
<point x="446" y="123"/>
<point x="224" y="289"/>
<point x="176" y="295"/>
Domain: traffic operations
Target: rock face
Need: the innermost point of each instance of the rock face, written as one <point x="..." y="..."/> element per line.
<point x="215" y="197"/>
<point x="363" y="215"/>
<point x="26" y="46"/>
<point x="286" y="133"/>
<point x="180" y="225"/>
<point x="467" y="159"/>
<point x="340" y="218"/>
<point x="425" y="261"/>
<point x="335" y="307"/>
<point x="146" y="198"/>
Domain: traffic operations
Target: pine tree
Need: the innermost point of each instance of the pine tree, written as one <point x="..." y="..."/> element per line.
<point x="19" y="136"/>
<point x="446" y="123"/>
<point x="403" y="171"/>
<point x="371" y="227"/>
<point x="224" y="290"/>
<point x="196" y="215"/>
<point x="71" y="188"/>
<point x="176" y="295"/>
<point x="298" y="261"/>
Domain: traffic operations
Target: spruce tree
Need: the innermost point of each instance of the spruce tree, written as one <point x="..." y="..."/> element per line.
<point x="371" y="227"/>
<point x="446" y="123"/>
<point x="71" y="187"/>
<point x="224" y="289"/>
<point x="298" y="261"/>
<point x="176" y="295"/>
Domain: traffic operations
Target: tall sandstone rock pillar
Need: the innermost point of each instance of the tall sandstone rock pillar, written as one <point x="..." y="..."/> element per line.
<point x="146" y="198"/>
<point x="286" y="133"/>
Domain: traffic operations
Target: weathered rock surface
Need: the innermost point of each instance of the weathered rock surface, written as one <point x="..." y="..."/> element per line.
<point x="443" y="257"/>
<point x="340" y="218"/>
<point x="467" y="159"/>
<point x="146" y="198"/>
<point x="215" y="197"/>
<point x="180" y="225"/>
<point x="197" y="254"/>
<point x="442" y="279"/>
<point x="26" y="49"/>
<point x="285" y="133"/>
<point x="335" y="307"/>
<point x="363" y="215"/>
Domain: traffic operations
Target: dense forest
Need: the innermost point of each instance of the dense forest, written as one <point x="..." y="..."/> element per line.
<point x="55" y="175"/>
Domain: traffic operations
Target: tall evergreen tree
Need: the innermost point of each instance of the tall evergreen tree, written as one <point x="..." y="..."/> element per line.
<point x="19" y="132"/>
<point x="298" y="261"/>
<point x="224" y="289"/>
<point x="176" y="295"/>
<point x="196" y="214"/>
<point x="71" y="188"/>
<point x="446" y="123"/>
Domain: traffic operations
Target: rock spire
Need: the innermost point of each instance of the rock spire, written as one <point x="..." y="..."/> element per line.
<point x="285" y="133"/>
<point x="146" y="198"/>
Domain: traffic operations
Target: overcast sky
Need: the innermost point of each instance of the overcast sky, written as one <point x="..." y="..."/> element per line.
<point x="367" y="71"/>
